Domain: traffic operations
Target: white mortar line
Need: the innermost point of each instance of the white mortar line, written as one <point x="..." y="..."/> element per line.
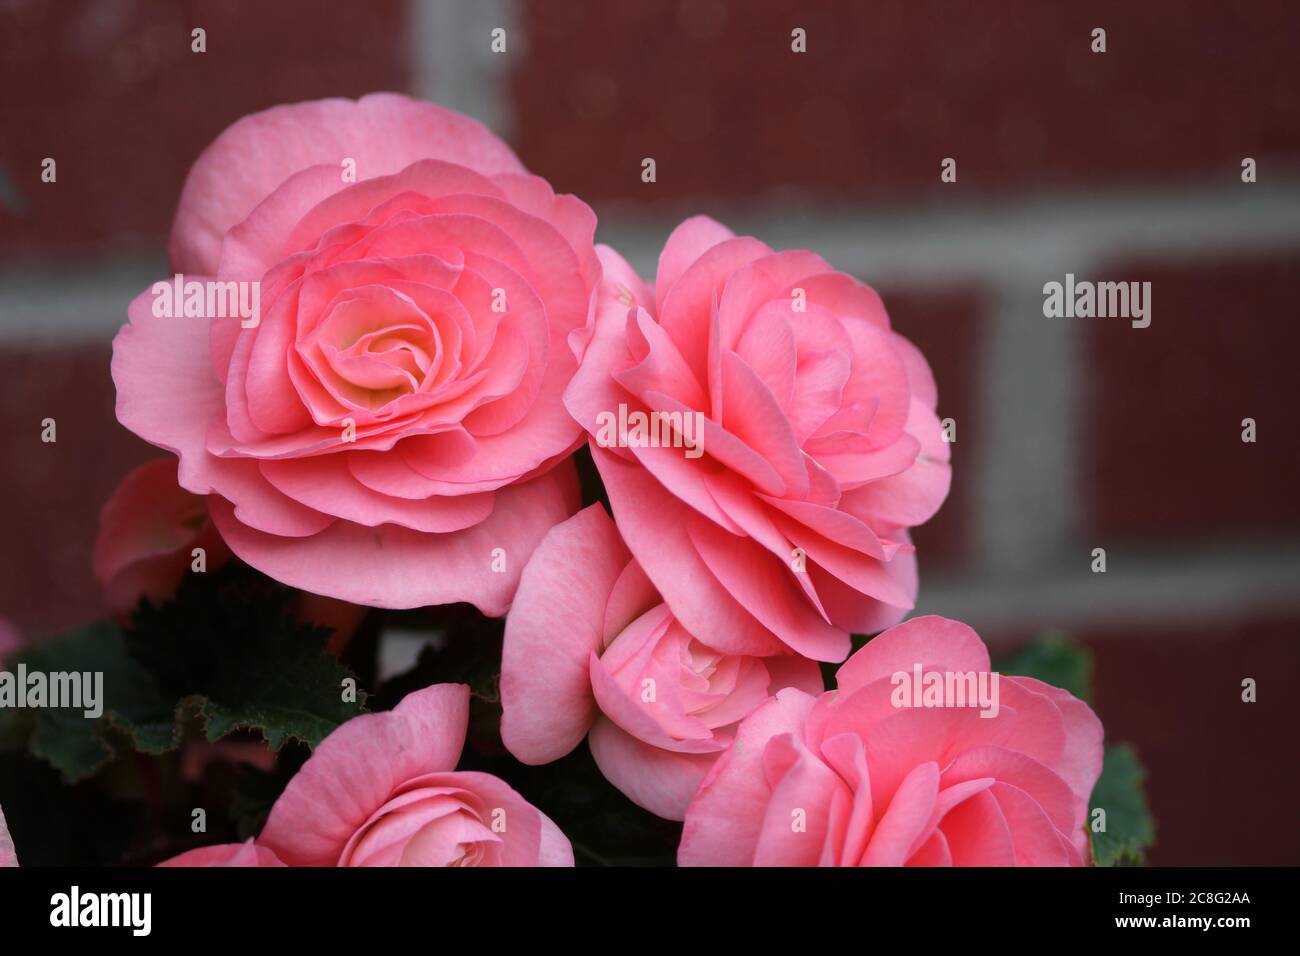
<point x="1192" y="586"/>
<point x="1025" y="471"/>
<point x="947" y="242"/>
<point x="451" y="57"/>
<point x="72" y="304"/>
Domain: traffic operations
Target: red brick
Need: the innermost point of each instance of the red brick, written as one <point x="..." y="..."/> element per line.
<point x="1165" y="403"/>
<point x="1222" y="773"/>
<point x="53" y="492"/>
<point x="114" y="95"/>
<point x="886" y="90"/>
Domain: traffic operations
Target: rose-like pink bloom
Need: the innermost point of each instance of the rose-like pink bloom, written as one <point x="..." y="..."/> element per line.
<point x="820" y="445"/>
<point x="850" y="779"/>
<point x="8" y="856"/>
<point x="392" y="415"/>
<point x="148" y="530"/>
<point x="383" y="790"/>
<point x="591" y="648"/>
<point x="247" y="853"/>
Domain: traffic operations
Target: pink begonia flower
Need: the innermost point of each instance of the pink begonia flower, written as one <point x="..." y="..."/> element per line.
<point x="854" y="778"/>
<point x="785" y="525"/>
<point x="247" y="853"/>
<point x="148" y="530"/>
<point x="383" y="790"/>
<point x="8" y="856"/>
<point x="386" y="426"/>
<point x="592" y="649"/>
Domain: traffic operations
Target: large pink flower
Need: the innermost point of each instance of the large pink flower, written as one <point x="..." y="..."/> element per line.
<point x="591" y="648"/>
<point x="853" y="778"/>
<point x="818" y="443"/>
<point x="387" y="428"/>
<point x="383" y="790"/>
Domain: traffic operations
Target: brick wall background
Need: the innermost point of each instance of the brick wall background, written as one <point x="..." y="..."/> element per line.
<point x="1073" y="434"/>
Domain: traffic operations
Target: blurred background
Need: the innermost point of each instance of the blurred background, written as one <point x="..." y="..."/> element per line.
<point x="1072" y="434"/>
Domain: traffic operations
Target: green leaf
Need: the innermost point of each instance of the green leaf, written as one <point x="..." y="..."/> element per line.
<point x="232" y="652"/>
<point x="1130" y="828"/>
<point x="227" y="653"/>
<point x="1053" y="660"/>
<point x="134" y="710"/>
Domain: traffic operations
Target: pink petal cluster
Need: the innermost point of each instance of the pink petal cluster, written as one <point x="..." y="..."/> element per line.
<point x="819" y="438"/>
<point x="850" y="779"/>
<point x="383" y="790"/>
<point x="437" y="335"/>
<point x="592" y="649"/>
<point x="391" y="424"/>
